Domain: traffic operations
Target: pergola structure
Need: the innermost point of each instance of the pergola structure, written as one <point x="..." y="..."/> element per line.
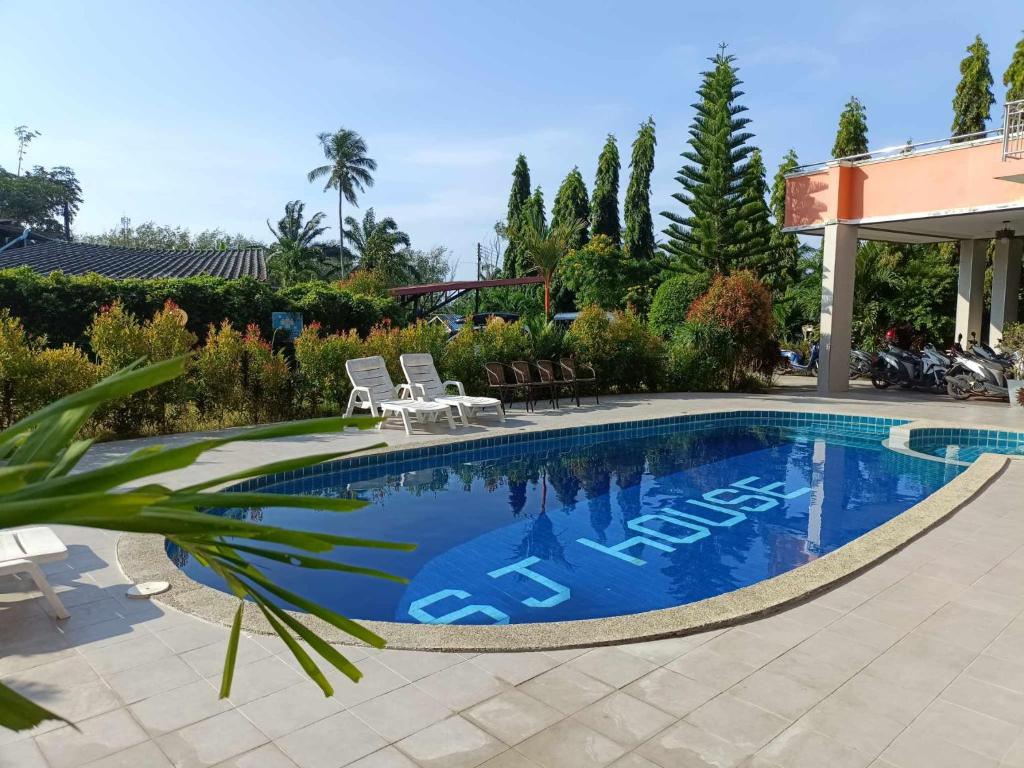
<point x="970" y="190"/>
<point x="445" y="293"/>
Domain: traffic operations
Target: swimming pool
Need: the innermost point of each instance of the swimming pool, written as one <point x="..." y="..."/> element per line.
<point x="598" y="522"/>
<point x="966" y="445"/>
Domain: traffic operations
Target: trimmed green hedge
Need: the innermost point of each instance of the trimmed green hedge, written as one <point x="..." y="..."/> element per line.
<point x="61" y="306"/>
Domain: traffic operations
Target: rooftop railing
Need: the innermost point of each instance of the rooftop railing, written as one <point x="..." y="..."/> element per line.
<point x="1013" y="130"/>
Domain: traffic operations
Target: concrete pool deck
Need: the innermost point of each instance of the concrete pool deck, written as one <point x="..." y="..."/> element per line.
<point x="914" y="662"/>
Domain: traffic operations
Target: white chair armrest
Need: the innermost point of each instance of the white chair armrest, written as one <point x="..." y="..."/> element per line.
<point x="458" y="386"/>
<point x="422" y="392"/>
<point x="404" y="391"/>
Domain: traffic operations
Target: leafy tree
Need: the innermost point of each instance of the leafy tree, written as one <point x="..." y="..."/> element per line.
<point x="546" y="246"/>
<point x="973" y="99"/>
<point x="639" y="239"/>
<point x="379" y="246"/>
<point x="785" y="247"/>
<point x="24" y="136"/>
<point x="604" y="206"/>
<point x="517" y="199"/>
<point x="1013" y="77"/>
<point x="348" y="170"/>
<point x="756" y="226"/>
<point x="672" y="302"/>
<point x="534" y="209"/>
<point x="572" y="204"/>
<point x="67" y="195"/>
<point x="852" y="136"/>
<point x="598" y="273"/>
<point x="430" y="266"/>
<point x="31" y="201"/>
<point x="164" y="237"/>
<point x="712" y="236"/>
<point x="294" y="257"/>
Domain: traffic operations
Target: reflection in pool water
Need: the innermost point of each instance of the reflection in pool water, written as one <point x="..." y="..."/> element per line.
<point x="550" y="531"/>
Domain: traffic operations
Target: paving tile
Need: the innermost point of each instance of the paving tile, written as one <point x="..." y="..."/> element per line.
<point x="258" y="679"/>
<point x="785" y="696"/>
<point x="921" y="663"/>
<point x="712" y="669"/>
<point x="970" y="628"/>
<point x="75" y="702"/>
<point x="871" y="693"/>
<point x="462" y="685"/>
<point x="513" y="716"/>
<point x="802" y="747"/>
<point x="515" y="668"/>
<point x="875" y="634"/>
<point x="738" y="722"/>
<point x="211" y="741"/>
<point x="451" y="743"/>
<point x="632" y="760"/>
<point x="376" y="680"/>
<point x="290" y="709"/>
<point x="1001" y="672"/>
<point x="132" y="652"/>
<point x="412" y="665"/>
<point x="864" y="729"/>
<point x="570" y="744"/>
<point x="840" y="653"/>
<point x="661" y="652"/>
<point x="747" y="648"/>
<point x="144" y="755"/>
<point x="389" y="757"/>
<point x="972" y="730"/>
<point x="267" y="756"/>
<point x="623" y="719"/>
<point x="330" y="743"/>
<point x="566" y="689"/>
<point x="22" y="754"/>
<point x="102" y="633"/>
<point x="684" y="744"/>
<point x="209" y="659"/>
<point x="33" y="653"/>
<point x="509" y="759"/>
<point x="915" y="750"/>
<point x="992" y="700"/>
<point x="156" y="677"/>
<point x="174" y="709"/>
<point x="671" y="692"/>
<point x="182" y="638"/>
<point x="401" y="712"/>
<point x="612" y="666"/>
<point x="62" y="672"/>
<point x="95" y="738"/>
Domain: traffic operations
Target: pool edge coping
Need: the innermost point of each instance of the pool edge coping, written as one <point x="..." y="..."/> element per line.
<point x="142" y="557"/>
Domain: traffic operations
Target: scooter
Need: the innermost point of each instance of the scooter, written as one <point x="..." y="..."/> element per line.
<point x="861" y="363"/>
<point x="898" y="366"/>
<point x="793" y="363"/>
<point x="973" y="375"/>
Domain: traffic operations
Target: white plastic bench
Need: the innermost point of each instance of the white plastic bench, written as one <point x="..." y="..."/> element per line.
<point x="24" y="550"/>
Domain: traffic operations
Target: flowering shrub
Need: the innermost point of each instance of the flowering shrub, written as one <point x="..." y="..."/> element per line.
<point x="321" y="368"/>
<point x="17" y="368"/>
<point x="61" y="372"/>
<point x="218" y="371"/>
<point x="466" y="353"/>
<point x="624" y="352"/>
<point x="266" y="378"/>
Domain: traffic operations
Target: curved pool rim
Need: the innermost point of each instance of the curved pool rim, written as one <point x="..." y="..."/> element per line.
<point x="143" y="557"/>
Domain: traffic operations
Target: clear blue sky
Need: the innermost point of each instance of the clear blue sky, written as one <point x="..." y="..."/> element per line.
<point x="205" y="114"/>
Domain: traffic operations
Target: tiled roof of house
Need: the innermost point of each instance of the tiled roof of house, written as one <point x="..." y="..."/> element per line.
<point x="110" y="261"/>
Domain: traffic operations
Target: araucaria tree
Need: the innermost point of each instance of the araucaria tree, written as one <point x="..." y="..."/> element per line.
<point x="604" y="206"/>
<point x="852" y="135"/>
<point x="1013" y="77"/>
<point x="348" y="170"/>
<point x="973" y="100"/>
<point x="639" y="238"/>
<point x="572" y="204"/>
<point x="785" y="247"/>
<point x="517" y="198"/>
<point x="756" y="227"/>
<point x="713" y="236"/>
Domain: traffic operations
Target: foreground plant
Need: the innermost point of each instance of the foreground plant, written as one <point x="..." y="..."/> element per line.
<point x="37" y="487"/>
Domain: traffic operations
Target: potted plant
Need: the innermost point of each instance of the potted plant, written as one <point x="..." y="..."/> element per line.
<point x="1012" y="343"/>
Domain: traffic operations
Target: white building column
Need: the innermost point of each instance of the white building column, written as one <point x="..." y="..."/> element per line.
<point x="1005" y="284"/>
<point x="837" y="275"/>
<point x="970" y="299"/>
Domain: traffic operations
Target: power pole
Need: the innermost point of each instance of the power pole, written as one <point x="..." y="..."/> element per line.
<point x="476" y="305"/>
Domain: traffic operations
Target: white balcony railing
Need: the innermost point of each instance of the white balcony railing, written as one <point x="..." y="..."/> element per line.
<point x="1013" y="130"/>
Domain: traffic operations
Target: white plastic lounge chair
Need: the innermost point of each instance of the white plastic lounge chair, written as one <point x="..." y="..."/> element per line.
<point x="426" y="383"/>
<point x="373" y="390"/>
<point x="23" y="550"/>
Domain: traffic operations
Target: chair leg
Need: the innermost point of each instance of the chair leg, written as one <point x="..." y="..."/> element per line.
<point x="451" y="422"/>
<point x="43" y="585"/>
<point x="463" y="414"/>
<point x="500" y="410"/>
<point x="406" y="421"/>
<point x="351" y="404"/>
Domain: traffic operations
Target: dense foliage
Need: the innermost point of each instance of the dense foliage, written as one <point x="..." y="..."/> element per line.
<point x="973" y="100"/>
<point x="623" y="351"/>
<point x="638" y="241"/>
<point x="517" y="199"/>
<point x="672" y="302"/>
<point x="599" y="273"/>
<point x="852" y="134"/>
<point x="1013" y="77"/>
<point x="61" y="307"/>
<point x="604" y="205"/>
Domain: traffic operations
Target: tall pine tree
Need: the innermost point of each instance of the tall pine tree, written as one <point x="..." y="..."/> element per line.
<point x="973" y="99"/>
<point x="785" y="247"/>
<point x="604" y="206"/>
<point x="1013" y="77"/>
<point x="517" y="198"/>
<point x="756" y="227"/>
<point x="852" y="136"/>
<point x="639" y="238"/>
<point x="713" y="237"/>
<point x="572" y="204"/>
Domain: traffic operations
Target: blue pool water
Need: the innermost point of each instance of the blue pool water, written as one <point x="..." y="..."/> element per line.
<point x="599" y="523"/>
<point x="966" y="444"/>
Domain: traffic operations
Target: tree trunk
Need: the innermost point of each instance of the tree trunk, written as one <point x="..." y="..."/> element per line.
<point x="341" y="239"/>
<point x="547" y="298"/>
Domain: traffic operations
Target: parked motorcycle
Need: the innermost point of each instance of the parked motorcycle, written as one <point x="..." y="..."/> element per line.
<point x="896" y="366"/>
<point x="792" y="362"/>
<point x="861" y="363"/>
<point x="978" y="373"/>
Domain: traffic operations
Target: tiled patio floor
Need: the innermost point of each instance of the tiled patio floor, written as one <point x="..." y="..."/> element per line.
<point x="917" y="662"/>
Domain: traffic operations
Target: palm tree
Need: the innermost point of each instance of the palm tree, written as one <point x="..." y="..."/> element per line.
<point x="546" y="245"/>
<point x="379" y="246"/>
<point x="347" y="171"/>
<point x="295" y="257"/>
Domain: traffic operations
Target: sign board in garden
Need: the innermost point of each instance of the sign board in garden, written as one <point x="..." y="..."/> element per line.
<point x="287" y="324"/>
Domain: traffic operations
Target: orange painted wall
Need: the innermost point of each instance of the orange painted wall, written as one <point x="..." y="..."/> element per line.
<point x="954" y="179"/>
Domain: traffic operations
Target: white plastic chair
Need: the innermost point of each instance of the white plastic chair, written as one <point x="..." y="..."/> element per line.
<point x="425" y="382"/>
<point x="373" y="390"/>
<point x="24" y="550"/>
